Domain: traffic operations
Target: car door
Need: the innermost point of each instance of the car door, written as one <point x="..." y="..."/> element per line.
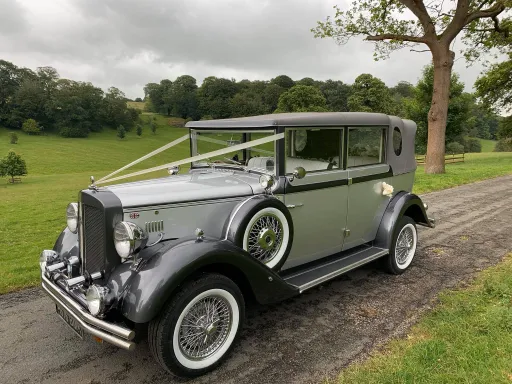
<point x="367" y="170"/>
<point x="317" y="202"/>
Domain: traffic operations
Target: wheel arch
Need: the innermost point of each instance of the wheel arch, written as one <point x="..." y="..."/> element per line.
<point x="166" y="271"/>
<point x="402" y="204"/>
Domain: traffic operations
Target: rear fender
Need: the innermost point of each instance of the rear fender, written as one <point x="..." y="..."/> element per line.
<point x="402" y="204"/>
<point x="173" y="262"/>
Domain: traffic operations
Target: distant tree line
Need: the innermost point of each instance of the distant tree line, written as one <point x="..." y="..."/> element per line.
<point x="219" y="98"/>
<point x="40" y="101"/>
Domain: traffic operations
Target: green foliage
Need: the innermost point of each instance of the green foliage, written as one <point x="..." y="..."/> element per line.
<point x="417" y="108"/>
<point x="153" y="126"/>
<point x="121" y="132"/>
<point x="370" y="94"/>
<point x="504" y="145"/>
<point x="73" y="132"/>
<point x="495" y="86"/>
<point x="13" y="138"/>
<point x="31" y="127"/>
<point x="138" y="100"/>
<point x="302" y="98"/>
<point x="505" y="128"/>
<point x="472" y="145"/>
<point x="336" y="94"/>
<point x="283" y="81"/>
<point x="181" y="97"/>
<point x="139" y="130"/>
<point x="454" y="147"/>
<point x="12" y="165"/>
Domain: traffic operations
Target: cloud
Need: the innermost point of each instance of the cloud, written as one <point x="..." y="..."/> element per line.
<point x="129" y="43"/>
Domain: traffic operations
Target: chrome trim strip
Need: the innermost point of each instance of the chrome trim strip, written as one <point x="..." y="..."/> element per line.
<point x="234" y="214"/>
<point x="341" y="271"/>
<point x="180" y="205"/>
<point x="81" y="245"/>
<point x="118" y="342"/>
<point x="86" y="320"/>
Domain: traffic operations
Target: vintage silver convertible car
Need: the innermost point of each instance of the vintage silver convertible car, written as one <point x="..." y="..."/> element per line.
<point x="271" y="206"/>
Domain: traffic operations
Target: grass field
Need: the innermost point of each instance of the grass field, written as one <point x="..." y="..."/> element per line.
<point x="32" y="213"/>
<point x="136" y="104"/>
<point x="466" y="339"/>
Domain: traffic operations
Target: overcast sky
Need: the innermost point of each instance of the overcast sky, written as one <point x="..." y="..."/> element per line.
<point x="128" y="43"/>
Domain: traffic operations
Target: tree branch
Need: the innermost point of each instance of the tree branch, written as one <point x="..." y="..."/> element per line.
<point x="393" y="36"/>
<point x="462" y="18"/>
<point x="491" y="12"/>
<point x="418" y="8"/>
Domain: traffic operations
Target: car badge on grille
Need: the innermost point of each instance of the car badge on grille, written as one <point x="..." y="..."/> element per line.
<point x="134" y="215"/>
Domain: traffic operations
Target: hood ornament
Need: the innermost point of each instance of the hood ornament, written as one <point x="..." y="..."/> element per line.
<point x="93" y="185"/>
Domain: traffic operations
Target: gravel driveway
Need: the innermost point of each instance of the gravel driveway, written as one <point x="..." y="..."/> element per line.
<point x="301" y="340"/>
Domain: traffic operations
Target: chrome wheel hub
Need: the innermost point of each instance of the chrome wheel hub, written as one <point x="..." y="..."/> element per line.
<point x="205" y="327"/>
<point x="404" y="245"/>
<point x="265" y="238"/>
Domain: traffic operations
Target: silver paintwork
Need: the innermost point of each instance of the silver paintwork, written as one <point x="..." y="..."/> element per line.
<point x="205" y="327"/>
<point x="319" y="217"/>
<point x="196" y="186"/>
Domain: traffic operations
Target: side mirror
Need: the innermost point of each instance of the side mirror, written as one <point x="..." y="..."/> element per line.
<point x="299" y="172"/>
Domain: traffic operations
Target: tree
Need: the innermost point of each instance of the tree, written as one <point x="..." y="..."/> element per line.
<point x="152" y="126"/>
<point x="139" y="130"/>
<point x="182" y="96"/>
<point x="336" y="94"/>
<point x="495" y="86"/>
<point x="138" y="100"/>
<point x="215" y="97"/>
<point x="418" y="109"/>
<point x="247" y="104"/>
<point x="121" y="132"/>
<point x="283" y="81"/>
<point x="13" y="165"/>
<point x="13" y="138"/>
<point x="302" y="98"/>
<point x="370" y="94"/>
<point x="403" y="23"/>
<point x="31" y="127"/>
<point x="270" y="97"/>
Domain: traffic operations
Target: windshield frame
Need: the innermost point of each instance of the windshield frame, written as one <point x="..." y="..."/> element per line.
<point x="246" y="136"/>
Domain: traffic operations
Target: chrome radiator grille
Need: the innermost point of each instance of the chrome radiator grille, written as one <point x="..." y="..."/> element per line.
<point x="94" y="239"/>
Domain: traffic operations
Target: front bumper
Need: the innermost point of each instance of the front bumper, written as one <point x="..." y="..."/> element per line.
<point x="109" y="332"/>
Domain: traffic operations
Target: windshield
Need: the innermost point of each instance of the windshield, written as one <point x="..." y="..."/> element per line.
<point x="258" y="158"/>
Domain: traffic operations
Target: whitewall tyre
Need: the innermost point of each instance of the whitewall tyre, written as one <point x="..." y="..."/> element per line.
<point x="267" y="237"/>
<point x="403" y="247"/>
<point x="198" y="327"/>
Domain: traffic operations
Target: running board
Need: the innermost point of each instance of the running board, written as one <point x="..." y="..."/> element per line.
<point x="320" y="273"/>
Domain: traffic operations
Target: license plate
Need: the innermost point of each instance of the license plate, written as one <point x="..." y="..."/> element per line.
<point x="73" y="324"/>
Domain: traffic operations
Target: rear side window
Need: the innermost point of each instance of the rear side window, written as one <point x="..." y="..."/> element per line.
<point x="365" y="146"/>
<point x="397" y="141"/>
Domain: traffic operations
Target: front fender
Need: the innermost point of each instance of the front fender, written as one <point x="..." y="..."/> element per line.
<point x="66" y="244"/>
<point x="403" y="203"/>
<point x="172" y="263"/>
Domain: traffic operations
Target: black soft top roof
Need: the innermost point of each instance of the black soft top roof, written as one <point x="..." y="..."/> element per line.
<point x="297" y="119"/>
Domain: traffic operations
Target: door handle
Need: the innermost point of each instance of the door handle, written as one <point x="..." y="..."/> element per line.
<point x="290" y="206"/>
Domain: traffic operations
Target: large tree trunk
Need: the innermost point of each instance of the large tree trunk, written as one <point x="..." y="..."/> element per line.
<point x="438" y="114"/>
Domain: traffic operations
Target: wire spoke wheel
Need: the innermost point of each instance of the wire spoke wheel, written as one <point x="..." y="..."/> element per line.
<point x="205" y="327"/>
<point x="265" y="237"/>
<point x="405" y="247"/>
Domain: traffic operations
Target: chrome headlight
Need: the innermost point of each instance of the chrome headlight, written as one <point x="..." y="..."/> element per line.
<point x="129" y="238"/>
<point x="96" y="299"/>
<point x="72" y="217"/>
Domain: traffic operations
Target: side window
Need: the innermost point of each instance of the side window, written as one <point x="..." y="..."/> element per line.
<point x="397" y="141"/>
<point x="365" y="146"/>
<point x="314" y="149"/>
